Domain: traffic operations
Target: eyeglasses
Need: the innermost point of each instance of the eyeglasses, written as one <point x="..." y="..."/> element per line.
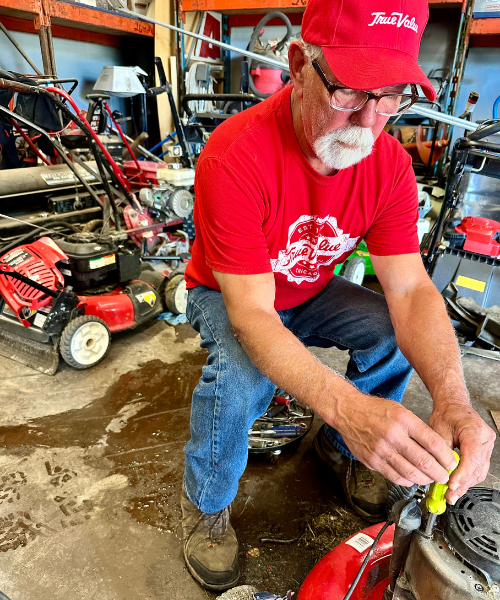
<point x="346" y="99"/>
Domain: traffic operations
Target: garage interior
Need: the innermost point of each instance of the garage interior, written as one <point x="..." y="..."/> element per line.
<point x="92" y="454"/>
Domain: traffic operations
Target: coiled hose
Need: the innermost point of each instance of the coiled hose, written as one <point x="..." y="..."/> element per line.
<point x="279" y="46"/>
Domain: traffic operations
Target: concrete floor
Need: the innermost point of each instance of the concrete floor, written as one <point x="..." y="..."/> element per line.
<point x="91" y="467"/>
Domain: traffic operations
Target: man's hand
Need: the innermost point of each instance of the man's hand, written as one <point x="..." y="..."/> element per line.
<point x="460" y="426"/>
<point x="390" y="439"/>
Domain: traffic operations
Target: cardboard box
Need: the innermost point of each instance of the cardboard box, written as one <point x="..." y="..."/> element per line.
<point x="486" y="8"/>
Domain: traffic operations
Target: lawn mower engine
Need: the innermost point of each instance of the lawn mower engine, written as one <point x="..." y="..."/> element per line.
<point x="167" y="202"/>
<point x="458" y="560"/>
<point x="68" y="295"/>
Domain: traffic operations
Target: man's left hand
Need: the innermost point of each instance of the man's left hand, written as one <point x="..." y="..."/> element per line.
<point x="461" y="427"/>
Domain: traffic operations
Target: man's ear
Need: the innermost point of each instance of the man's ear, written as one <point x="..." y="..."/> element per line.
<point x="297" y="63"/>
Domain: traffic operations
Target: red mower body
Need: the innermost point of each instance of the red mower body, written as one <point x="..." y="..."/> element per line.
<point x="482" y="235"/>
<point x="332" y="577"/>
<point x="36" y="261"/>
<point x="115" y="309"/>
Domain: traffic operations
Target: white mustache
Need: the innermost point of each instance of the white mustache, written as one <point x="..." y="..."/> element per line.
<point x="331" y="148"/>
<point x="352" y="135"/>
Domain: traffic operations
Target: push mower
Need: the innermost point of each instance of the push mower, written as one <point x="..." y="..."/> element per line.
<point x="453" y="556"/>
<point x="42" y="316"/>
<point x="69" y="292"/>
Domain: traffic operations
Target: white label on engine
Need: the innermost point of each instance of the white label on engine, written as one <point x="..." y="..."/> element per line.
<point x="360" y="542"/>
<point x="65" y="272"/>
<point x="62" y="177"/>
<point x="39" y="320"/>
<point x="103" y="261"/>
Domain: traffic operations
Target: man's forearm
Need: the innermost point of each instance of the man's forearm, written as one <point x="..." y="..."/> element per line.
<point x="279" y="355"/>
<point x="426" y="337"/>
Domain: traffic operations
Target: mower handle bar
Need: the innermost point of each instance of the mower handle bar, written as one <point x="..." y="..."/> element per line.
<point x="479" y="134"/>
<point x="164" y="85"/>
<point x="17" y="86"/>
<point x="216" y="98"/>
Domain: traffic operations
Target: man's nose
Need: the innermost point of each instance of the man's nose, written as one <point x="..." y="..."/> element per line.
<point x="365" y="116"/>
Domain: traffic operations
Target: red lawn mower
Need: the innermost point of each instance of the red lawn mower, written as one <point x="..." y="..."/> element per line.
<point x="455" y="558"/>
<point x="68" y="292"/>
<point x="40" y="315"/>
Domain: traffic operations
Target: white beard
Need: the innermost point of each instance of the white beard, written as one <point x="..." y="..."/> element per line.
<point x="335" y="155"/>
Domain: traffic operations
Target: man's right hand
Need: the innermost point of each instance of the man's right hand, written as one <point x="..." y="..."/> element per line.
<point x="388" y="438"/>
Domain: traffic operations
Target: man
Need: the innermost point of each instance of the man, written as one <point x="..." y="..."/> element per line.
<point x="284" y="191"/>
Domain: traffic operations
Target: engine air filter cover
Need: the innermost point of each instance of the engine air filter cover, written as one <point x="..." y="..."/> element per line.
<point x="472" y="528"/>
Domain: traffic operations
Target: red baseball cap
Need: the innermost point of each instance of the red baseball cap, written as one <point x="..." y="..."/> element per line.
<point x="370" y="44"/>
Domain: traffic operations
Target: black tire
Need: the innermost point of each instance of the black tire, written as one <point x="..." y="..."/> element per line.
<point x="355" y="270"/>
<point x="176" y="295"/>
<point x="98" y="348"/>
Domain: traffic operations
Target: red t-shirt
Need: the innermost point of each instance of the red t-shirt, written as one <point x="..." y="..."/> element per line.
<point x="261" y="207"/>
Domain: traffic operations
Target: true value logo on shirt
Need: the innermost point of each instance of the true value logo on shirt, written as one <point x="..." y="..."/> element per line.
<point x="313" y="242"/>
<point x="395" y="18"/>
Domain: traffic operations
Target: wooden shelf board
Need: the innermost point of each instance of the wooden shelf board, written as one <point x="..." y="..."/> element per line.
<point x="79" y="16"/>
<point x="235" y="6"/>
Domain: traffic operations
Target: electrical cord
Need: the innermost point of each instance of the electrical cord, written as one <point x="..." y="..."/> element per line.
<point x="367" y="558"/>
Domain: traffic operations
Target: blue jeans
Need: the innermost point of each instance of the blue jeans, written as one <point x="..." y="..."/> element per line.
<point x="232" y="392"/>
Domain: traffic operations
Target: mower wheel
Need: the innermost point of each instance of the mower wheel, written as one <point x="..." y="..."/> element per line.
<point x="176" y="295"/>
<point x="85" y="342"/>
<point x="355" y="270"/>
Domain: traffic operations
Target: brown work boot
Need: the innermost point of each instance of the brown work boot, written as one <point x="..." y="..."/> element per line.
<point x="365" y="490"/>
<point x="211" y="546"/>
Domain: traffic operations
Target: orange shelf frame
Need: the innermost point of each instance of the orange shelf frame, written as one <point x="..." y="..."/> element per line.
<point x="79" y="16"/>
<point x="490" y="26"/>
<point x="232" y="6"/>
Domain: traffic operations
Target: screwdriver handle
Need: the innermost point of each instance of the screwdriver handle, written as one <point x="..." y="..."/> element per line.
<point x="436" y="504"/>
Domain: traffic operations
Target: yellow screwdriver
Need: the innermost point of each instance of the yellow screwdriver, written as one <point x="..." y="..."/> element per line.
<point x="436" y="504"/>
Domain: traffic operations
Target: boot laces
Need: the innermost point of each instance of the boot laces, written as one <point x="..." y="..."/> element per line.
<point x="217" y="524"/>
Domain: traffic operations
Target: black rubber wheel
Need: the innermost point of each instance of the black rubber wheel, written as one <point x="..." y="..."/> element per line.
<point x="355" y="270"/>
<point x="85" y="342"/>
<point x="176" y="295"/>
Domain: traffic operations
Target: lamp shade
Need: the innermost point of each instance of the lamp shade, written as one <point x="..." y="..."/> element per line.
<point x="120" y="81"/>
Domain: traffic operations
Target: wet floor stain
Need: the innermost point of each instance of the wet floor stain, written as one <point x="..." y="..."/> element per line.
<point x="135" y="432"/>
<point x="164" y="391"/>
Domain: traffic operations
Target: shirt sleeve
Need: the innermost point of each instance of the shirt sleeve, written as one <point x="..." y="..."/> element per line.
<point x="229" y="216"/>
<point x="394" y="231"/>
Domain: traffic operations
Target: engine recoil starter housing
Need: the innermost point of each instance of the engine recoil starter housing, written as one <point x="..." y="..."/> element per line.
<point x="462" y="560"/>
